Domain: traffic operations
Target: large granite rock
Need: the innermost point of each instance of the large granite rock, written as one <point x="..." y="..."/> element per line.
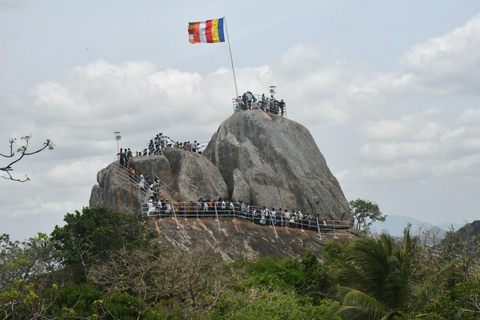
<point x="190" y="175"/>
<point x="115" y="193"/>
<point x="240" y="238"/>
<point x="279" y="161"/>
<point x="195" y="176"/>
<point x="255" y="157"/>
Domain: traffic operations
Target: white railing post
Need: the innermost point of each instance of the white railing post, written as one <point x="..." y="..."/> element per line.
<point x="216" y="214"/>
<point x="175" y="215"/>
<point x="273" y="225"/>
<point x="318" y="227"/>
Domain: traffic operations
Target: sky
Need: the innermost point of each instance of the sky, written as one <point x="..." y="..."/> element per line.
<point x="388" y="89"/>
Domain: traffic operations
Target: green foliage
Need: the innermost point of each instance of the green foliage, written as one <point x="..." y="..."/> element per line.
<point x="308" y="277"/>
<point x="103" y="265"/>
<point x="85" y="301"/>
<point x="27" y="260"/>
<point x="26" y="270"/>
<point x="266" y="304"/>
<point x="365" y="213"/>
<point x="381" y="277"/>
<point x="460" y="302"/>
<point x="95" y="233"/>
<point x="74" y="299"/>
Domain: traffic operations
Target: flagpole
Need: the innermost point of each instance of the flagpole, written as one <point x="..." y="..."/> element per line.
<point x="231" y="59"/>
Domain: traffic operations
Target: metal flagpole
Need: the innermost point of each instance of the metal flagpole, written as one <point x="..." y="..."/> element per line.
<point x="231" y="59"/>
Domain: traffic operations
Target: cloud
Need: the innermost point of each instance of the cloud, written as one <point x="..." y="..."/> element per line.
<point x="449" y="63"/>
<point x="75" y="173"/>
<point x="419" y="146"/>
<point x="421" y="126"/>
<point x="408" y="170"/>
<point x="394" y="150"/>
<point x="469" y="165"/>
<point x="321" y="91"/>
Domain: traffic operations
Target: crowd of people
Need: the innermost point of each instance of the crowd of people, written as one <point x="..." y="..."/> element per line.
<point x="156" y="146"/>
<point x="158" y="207"/>
<point x="260" y="215"/>
<point x="249" y="101"/>
<point x="160" y="142"/>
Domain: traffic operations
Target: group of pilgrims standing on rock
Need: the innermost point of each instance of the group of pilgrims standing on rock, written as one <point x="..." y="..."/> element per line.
<point x="248" y="101"/>
<point x="155" y="147"/>
<point x="264" y="216"/>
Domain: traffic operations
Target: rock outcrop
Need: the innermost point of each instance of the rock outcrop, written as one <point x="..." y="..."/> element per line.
<point x="256" y="157"/>
<point x="189" y="174"/>
<point x="273" y="161"/>
<point x="240" y="238"/>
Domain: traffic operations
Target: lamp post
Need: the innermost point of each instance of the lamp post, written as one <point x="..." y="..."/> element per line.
<point x="272" y="91"/>
<point x="117" y="137"/>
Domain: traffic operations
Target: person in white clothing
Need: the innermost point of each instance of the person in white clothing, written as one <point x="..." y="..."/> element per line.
<point x="273" y="214"/>
<point x="141" y="184"/>
<point x="168" y="208"/>
<point x="262" y="217"/>
<point x="151" y="208"/>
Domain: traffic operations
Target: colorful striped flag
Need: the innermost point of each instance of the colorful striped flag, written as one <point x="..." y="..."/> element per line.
<point x="209" y="31"/>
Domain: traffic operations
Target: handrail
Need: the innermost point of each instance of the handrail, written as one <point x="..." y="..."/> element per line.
<point x="269" y="105"/>
<point x="164" y="183"/>
<point x="191" y="210"/>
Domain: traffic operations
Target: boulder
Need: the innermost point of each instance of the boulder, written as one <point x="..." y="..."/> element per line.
<point x="242" y="189"/>
<point x="279" y="161"/>
<point x="187" y="176"/>
<point x="240" y="238"/>
<point x="194" y="176"/>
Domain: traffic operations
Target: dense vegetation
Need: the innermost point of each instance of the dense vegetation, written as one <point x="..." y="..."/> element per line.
<point x="107" y="265"/>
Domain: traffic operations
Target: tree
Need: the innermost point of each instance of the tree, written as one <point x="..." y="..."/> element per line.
<point x="382" y="277"/>
<point x="27" y="269"/>
<point x="15" y="156"/>
<point x="93" y="234"/>
<point x="365" y="213"/>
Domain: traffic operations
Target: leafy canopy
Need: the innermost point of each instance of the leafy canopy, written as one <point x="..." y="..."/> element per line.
<point x="365" y="213"/>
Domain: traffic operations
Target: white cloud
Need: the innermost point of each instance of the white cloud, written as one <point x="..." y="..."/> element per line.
<point x="319" y="91"/>
<point x="450" y="63"/>
<point x="423" y="126"/>
<point x="393" y="150"/>
<point x="468" y="165"/>
<point x="75" y="173"/>
<point x="408" y="170"/>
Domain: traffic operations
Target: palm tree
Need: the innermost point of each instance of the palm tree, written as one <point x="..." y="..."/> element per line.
<point x="381" y="274"/>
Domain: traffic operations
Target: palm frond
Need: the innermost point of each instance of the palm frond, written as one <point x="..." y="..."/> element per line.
<point x="358" y="305"/>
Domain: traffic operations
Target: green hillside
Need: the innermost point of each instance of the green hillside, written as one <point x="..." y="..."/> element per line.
<point x="108" y="265"/>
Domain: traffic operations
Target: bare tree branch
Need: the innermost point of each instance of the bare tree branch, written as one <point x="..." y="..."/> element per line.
<point x="17" y="155"/>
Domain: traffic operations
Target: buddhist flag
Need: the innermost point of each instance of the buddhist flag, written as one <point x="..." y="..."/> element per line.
<point x="209" y="31"/>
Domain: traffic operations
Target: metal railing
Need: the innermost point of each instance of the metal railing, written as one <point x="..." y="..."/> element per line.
<point x="196" y="210"/>
<point x="268" y="105"/>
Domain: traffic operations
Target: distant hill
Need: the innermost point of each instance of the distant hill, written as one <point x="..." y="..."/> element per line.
<point x="468" y="231"/>
<point x="394" y="225"/>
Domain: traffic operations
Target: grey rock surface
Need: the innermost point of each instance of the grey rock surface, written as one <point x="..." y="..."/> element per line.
<point x="281" y="163"/>
<point x="256" y="157"/>
<point x="240" y="238"/>
<point x="194" y="176"/>
<point x="242" y="191"/>
<point x="190" y="175"/>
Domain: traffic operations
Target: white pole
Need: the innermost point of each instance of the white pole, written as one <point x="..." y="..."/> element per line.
<point x="231" y="58"/>
<point x="318" y="227"/>
<point x="217" y="219"/>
